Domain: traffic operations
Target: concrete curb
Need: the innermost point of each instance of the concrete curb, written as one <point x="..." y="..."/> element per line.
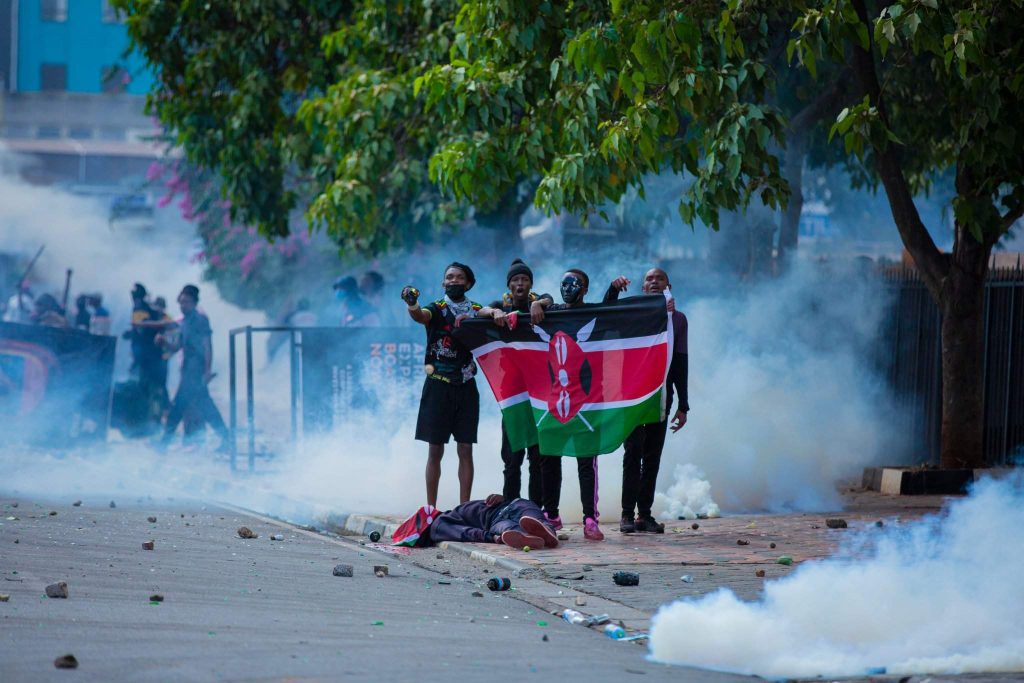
<point x="474" y="553"/>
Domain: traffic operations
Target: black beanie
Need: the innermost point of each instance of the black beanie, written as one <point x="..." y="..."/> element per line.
<point x="192" y="291"/>
<point x="465" y="269"/>
<point x="518" y="268"/>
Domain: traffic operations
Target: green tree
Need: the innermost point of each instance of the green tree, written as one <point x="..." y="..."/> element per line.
<point x="595" y="95"/>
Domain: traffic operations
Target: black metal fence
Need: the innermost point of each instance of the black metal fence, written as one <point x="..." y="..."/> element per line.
<point x="910" y="354"/>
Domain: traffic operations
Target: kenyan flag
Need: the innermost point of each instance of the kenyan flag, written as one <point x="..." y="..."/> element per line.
<point x="583" y="379"/>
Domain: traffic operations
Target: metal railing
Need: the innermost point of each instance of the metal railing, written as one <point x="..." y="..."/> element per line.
<point x="294" y="360"/>
<point x="910" y="353"/>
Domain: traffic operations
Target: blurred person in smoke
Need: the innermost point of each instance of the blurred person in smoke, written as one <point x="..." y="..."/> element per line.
<point x="521" y="300"/>
<point x="573" y="288"/>
<point x="300" y="316"/>
<point x="450" y="402"/>
<point x="48" y="312"/>
<point x="147" y="354"/>
<point x="193" y="396"/>
<point x="100" y="323"/>
<point x="355" y="311"/>
<point x="371" y="286"/>
<point x="163" y="340"/>
<point x="83" y="318"/>
<point x="643" y="447"/>
<point x="20" y="305"/>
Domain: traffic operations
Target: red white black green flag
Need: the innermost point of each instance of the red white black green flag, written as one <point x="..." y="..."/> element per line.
<point x="582" y="380"/>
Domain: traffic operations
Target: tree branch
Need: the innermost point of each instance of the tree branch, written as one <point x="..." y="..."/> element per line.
<point x="1011" y="217"/>
<point x="932" y="264"/>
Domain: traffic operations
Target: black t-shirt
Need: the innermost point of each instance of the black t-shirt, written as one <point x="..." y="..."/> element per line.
<point x="506" y="305"/>
<point x="450" y="359"/>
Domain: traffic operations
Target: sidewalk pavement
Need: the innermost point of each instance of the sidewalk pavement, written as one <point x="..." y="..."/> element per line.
<point x="725" y="552"/>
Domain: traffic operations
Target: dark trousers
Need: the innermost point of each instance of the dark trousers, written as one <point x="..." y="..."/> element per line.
<point x="640" y="468"/>
<point x="551" y="476"/>
<point x="192" y="401"/>
<point x="514" y="470"/>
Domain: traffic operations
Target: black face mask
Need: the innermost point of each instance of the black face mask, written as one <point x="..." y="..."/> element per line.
<point x="455" y="292"/>
<point x="572" y="289"/>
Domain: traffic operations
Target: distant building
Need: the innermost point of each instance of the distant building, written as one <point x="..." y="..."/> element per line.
<point x="69" y="98"/>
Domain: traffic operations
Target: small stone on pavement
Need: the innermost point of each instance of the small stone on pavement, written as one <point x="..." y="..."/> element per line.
<point x="57" y="590"/>
<point x="148" y="545"/>
<point x="113" y="504"/>
<point x="151" y="520"/>
<point x="4" y="597"/>
<point x="156" y="597"/>
<point x="477" y="594"/>
<point x="740" y="541"/>
<point x="759" y="573"/>
<point x="835" y="523"/>
<point x="66" y="662"/>
<point x="581" y="601"/>
<point x="380" y="570"/>
<point x="695" y="526"/>
<point x="246" y="532"/>
<point x="343" y="570"/>
<point x="77" y="504"/>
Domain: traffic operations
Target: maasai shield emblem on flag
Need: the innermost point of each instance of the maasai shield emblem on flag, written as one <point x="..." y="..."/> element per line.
<point x="582" y="380"/>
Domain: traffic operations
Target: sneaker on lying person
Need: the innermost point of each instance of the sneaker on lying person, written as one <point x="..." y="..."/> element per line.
<point x="519" y="540"/>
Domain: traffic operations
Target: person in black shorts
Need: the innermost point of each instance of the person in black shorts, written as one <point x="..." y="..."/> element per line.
<point x="519" y="299"/>
<point x="450" y="403"/>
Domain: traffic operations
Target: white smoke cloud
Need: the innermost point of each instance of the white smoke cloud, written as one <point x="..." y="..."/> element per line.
<point x="784" y="402"/>
<point x="939" y="595"/>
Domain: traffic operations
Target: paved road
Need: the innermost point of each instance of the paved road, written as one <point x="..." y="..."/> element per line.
<point x="262" y="610"/>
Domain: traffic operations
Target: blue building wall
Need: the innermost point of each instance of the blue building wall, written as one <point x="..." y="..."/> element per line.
<point x="84" y="43"/>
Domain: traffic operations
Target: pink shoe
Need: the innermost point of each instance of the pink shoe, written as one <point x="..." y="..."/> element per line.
<point x="591" y="530"/>
<point x="519" y="540"/>
<point x="535" y="527"/>
<point x="554" y="522"/>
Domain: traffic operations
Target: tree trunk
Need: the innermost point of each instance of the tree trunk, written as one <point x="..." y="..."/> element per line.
<point x="962" y="301"/>
<point x="793" y="170"/>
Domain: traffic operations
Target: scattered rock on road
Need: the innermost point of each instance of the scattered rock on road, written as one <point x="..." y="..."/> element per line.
<point x="53" y="513"/>
<point x="759" y="573"/>
<point x="77" y="504"/>
<point x="246" y="532"/>
<point x="151" y="519"/>
<point x="148" y="545"/>
<point x="4" y="597"/>
<point x="581" y="601"/>
<point x="276" y="537"/>
<point x="156" y="597"/>
<point x="380" y="570"/>
<point x="343" y="570"/>
<point x="66" y="662"/>
<point x="477" y="594"/>
<point x="695" y="526"/>
<point x="740" y="541"/>
<point x="771" y="545"/>
<point x="113" y="504"/>
<point x="57" y="590"/>
<point x="563" y="537"/>
<point x="835" y="523"/>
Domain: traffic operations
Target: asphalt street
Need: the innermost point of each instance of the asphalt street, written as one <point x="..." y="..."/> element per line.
<point x="266" y="610"/>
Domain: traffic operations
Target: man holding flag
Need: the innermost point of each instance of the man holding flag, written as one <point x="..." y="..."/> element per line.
<point x="642" y="458"/>
<point x="581" y="381"/>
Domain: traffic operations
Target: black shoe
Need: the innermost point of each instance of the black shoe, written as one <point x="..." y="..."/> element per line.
<point x="649" y="525"/>
<point x="626" y="525"/>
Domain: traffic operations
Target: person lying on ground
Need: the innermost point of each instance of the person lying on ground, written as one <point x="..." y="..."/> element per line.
<point x="517" y="524"/>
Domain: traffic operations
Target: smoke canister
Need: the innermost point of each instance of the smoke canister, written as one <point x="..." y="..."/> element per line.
<point x="374" y="535"/>
<point x="626" y="578"/>
<point x="499" y="584"/>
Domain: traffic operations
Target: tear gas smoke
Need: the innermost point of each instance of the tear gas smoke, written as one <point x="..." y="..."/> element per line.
<point x="939" y="595"/>
<point x="785" y="400"/>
